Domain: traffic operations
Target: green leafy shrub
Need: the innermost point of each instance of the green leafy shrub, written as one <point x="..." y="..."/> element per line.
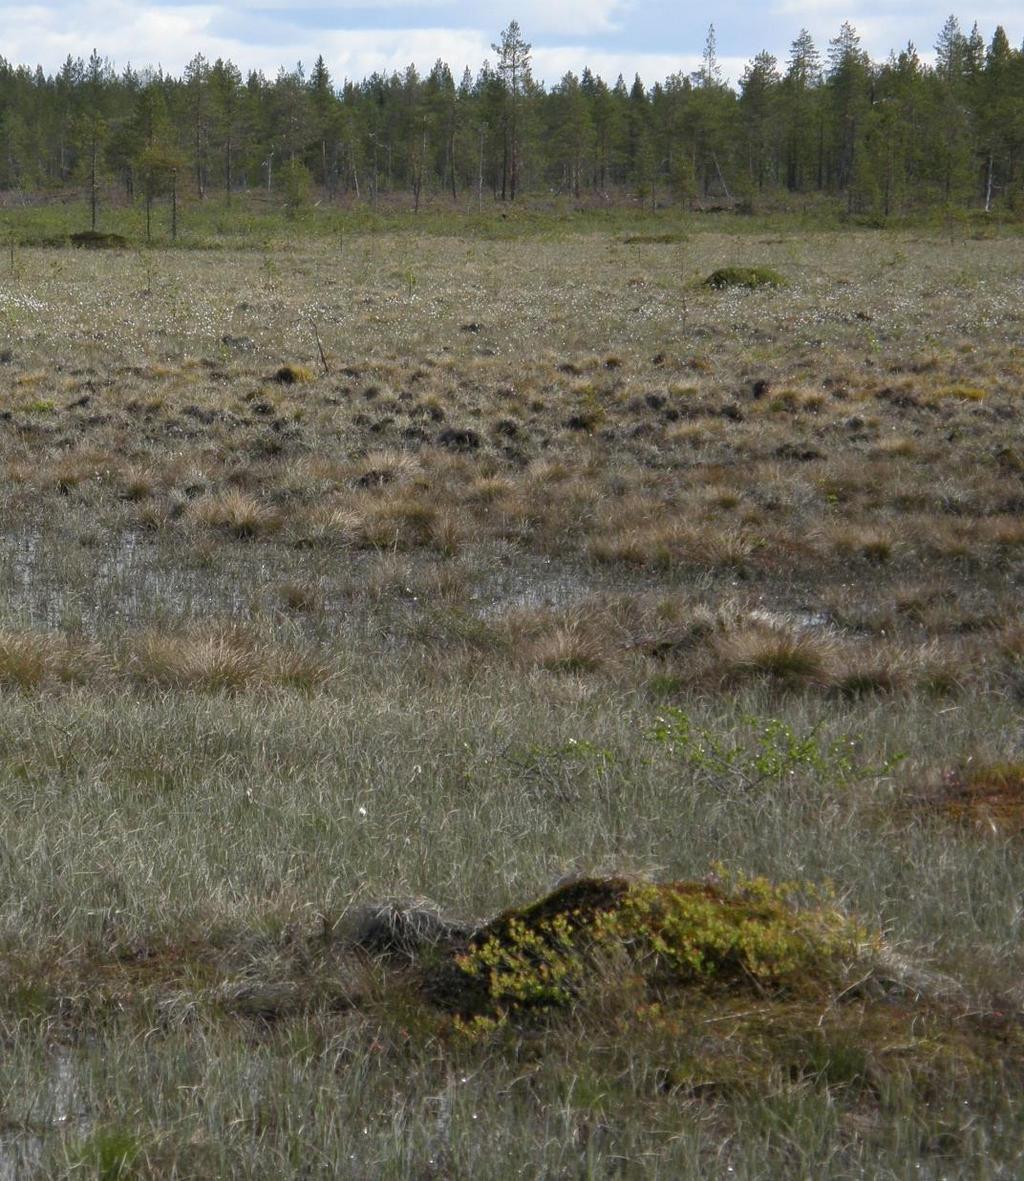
<point x="741" y="932"/>
<point x="765" y="749"/>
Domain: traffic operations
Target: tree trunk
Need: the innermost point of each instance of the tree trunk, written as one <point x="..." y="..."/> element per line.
<point x="92" y="186"/>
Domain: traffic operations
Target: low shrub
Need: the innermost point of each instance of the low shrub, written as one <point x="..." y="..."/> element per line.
<point x="764" y="750"/>
<point x="740" y="933"/>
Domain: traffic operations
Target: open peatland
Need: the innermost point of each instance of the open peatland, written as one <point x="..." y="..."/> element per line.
<point x="495" y="704"/>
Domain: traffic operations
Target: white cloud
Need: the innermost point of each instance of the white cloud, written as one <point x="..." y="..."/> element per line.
<point x="574" y="18"/>
<point x="120" y="31"/>
<point x="170" y="37"/>
<point x="562" y="17"/>
<point x="357" y="53"/>
<point x="552" y="64"/>
<point x="884" y="27"/>
<point x="265" y="35"/>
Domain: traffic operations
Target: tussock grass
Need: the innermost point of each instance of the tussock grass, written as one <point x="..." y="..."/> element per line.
<point x="398" y="522"/>
<point x="571" y="647"/>
<point x="236" y="514"/>
<point x="401" y="521"/>
<point x="139" y="484"/>
<point x="874" y="545"/>
<point x="757" y="606"/>
<point x="227" y="660"/>
<point x="792" y="658"/>
<point x="33" y="659"/>
<point x="674" y="544"/>
<point x="380" y="468"/>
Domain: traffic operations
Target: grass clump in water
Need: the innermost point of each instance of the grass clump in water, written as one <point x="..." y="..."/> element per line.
<point x="744" y="277"/>
<point x="236" y="514"/>
<point x="109" y="1153"/>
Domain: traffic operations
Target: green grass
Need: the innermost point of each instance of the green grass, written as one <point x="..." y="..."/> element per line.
<point x="258" y="221"/>
<point x="274" y="655"/>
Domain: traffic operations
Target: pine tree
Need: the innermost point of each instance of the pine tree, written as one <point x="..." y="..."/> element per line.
<point x="710" y="73"/>
<point x="849" y="82"/>
<point x="226" y="109"/>
<point x="514" y="70"/>
<point x="197" y="85"/>
<point x="324" y="118"/>
<point x="571" y="132"/>
<point x="951" y="113"/>
<point x="759" y="110"/>
<point x="802" y="115"/>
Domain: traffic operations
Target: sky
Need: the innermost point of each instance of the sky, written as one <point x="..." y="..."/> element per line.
<point x="652" y="38"/>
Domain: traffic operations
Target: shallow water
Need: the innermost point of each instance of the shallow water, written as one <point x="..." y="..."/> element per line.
<point x="55" y="1111"/>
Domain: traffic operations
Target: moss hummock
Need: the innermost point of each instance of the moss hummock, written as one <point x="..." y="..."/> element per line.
<point x="744" y="277"/>
<point x="96" y="240"/>
<point x="746" y="934"/>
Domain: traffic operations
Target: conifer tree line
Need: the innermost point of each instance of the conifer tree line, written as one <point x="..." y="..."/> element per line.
<point x="882" y="138"/>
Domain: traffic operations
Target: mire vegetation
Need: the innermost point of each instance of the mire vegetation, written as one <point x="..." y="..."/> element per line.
<point x="503" y="705"/>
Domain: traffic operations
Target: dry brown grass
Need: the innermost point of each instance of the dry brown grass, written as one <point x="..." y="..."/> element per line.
<point x="139" y="484"/>
<point x="663" y="545"/>
<point x="570" y="647"/>
<point x="789" y="657"/>
<point x="864" y="541"/>
<point x="301" y="597"/>
<point x="32" y="659"/>
<point x="377" y="469"/>
<point x="221" y="660"/>
<point x="236" y="514"/>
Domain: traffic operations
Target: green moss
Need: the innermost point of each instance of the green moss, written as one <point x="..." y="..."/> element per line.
<point x="744" y="277"/>
<point x="95" y="240"/>
<point x="746" y="934"/>
<point x="294" y="375"/>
